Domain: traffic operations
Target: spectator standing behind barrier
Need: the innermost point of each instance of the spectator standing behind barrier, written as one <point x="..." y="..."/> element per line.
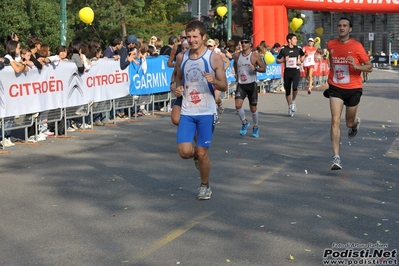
<point x="75" y="55"/>
<point x="158" y="45"/>
<point x="62" y="53"/>
<point x="348" y="59"/>
<point x="38" y="59"/>
<point x="203" y="71"/>
<point x="275" y="49"/>
<point x="13" y="51"/>
<point x="230" y="47"/>
<point x="292" y="56"/>
<point x="166" y="49"/>
<point x="13" y="56"/>
<point x="153" y="40"/>
<point x="113" y="49"/>
<point x="308" y="63"/>
<point x="126" y="55"/>
<point x="177" y="48"/>
<point x="246" y="64"/>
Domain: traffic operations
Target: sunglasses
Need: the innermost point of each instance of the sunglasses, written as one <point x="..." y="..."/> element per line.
<point x="183" y="37"/>
<point x="244" y="42"/>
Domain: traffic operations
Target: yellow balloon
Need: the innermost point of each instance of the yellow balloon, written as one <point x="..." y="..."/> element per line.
<point x="269" y="58"/>
<point x="319" y="31"/>
<point x="221" y="10"/>
<point x="86" y="15"/>
<point x="297" y="22"/>
<point x="317" y="40"/>
<point x="292" y="26"/>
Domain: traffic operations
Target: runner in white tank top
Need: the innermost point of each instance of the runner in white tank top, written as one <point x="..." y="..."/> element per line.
<point x="309" y="62"/>
<point x="198" y="72"/>
<point x="246" y="64"/>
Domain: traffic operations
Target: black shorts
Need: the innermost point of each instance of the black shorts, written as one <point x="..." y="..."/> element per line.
<point x="249" y="90"/>
<point x="350" y="97"/>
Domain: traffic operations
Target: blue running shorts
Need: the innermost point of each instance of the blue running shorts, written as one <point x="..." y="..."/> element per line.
<point x="202" y="125"/>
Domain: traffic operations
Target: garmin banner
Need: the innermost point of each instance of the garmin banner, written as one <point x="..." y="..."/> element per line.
<point x="150" y="76"/>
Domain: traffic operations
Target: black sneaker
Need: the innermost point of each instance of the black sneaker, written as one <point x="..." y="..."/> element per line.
<point x="352" y="132"/>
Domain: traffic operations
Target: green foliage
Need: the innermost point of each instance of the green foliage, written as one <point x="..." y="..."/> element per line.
<point x="143" y="18"/>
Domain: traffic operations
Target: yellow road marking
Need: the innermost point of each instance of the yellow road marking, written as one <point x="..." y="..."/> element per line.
<point x="263" y="178"/>
<point x="173" y="235"/>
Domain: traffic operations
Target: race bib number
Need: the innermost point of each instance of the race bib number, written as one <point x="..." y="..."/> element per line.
<point x="341" y="74"/>
<point x="195" y="96"/>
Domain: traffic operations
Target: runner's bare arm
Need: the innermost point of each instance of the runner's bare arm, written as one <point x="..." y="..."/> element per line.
<point x="178" y="78"/>
<point x="259" y="64"/>
<point x="219" y="81"/>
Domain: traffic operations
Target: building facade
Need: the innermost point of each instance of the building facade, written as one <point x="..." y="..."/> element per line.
<point x="372" y="30"/>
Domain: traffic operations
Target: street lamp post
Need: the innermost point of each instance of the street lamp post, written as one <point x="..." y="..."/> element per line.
<point x="63" y="22"/>
<point x="199" y="10"/>
<point x="229" y="19"/>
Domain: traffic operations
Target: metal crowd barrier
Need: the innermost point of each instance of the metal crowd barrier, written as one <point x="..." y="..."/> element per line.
<point x="164" y="97"/>
<point x="80" y="111"/>
<point x="18" y="122"/>
<point x="126" y="102"/>
<point x="100" y="107"/>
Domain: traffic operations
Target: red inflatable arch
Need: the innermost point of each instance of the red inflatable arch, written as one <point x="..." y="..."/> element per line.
<point x="270" y="20"/>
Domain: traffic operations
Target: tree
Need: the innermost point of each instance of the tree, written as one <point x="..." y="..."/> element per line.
<point x="42" y="18"/>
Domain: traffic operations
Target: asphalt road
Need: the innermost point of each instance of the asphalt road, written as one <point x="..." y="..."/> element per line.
<point x="122" y="195"/>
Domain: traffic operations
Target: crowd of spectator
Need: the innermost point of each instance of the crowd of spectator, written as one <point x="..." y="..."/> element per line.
<point x="130" y="49"/>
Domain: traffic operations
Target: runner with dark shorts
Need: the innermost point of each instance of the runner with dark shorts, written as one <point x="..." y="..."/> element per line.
<point x="246" y="64"/>
<point x="348" y="59"/>
<point x="293" y="56"/>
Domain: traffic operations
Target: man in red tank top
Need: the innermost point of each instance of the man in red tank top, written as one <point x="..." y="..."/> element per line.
<point x="348" y="59"/>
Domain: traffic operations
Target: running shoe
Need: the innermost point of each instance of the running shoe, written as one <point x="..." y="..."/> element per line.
<point x="244" y="128"/>
<point x="220" y="108"/>
<point x="353" y="131"/>
<point x="204" y="193"/>
<point x="9" y="142"/>
<point x="336" y="163"/>
<point x="255" y="132"/>
<point x="196" y="163"/>
<point x="290" y="113"/>
<point x="293" y="107"/>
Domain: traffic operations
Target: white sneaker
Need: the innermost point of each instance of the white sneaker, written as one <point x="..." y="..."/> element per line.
<point x="290" y="113"/>
<point x="70" y="129"/>
<point x="293" y="107"/>
<point x="48" y="133"/>
<point x="205" y="193"/>
<point x="9" y="142"/>
<point x="4" y="143"/>
<point x="32" y="139"/>
<point x="86" y="126"/>
<point x="41" y="137"/>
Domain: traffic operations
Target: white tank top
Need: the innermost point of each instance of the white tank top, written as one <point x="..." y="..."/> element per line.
<point x="198" y="94"/>
<point x="245" y="74"/>
<point x="309" y="60"/>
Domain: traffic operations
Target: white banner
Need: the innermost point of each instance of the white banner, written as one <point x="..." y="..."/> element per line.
<point x="60" y="86"/>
